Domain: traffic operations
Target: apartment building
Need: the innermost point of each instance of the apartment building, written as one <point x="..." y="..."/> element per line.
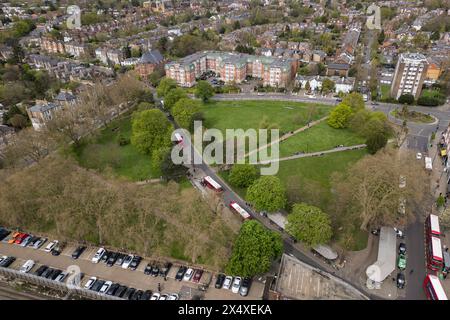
<point x="232" y="67"/>
<point x="42" y="112"/>
<point x="409" y="75"/>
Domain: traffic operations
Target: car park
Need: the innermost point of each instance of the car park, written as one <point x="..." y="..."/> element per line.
<point x="112" y="289"/>
<point x="105" y="286"/>
<point x="27" y="266"/>
<point x="98" y="255"/>
<point x="78" y="251"/>
<point x="40" y="270"/>
<point x="98" y="285"/>
<point x="227" y="282"/>
<point x="173" y="296"/>
<point x="90" y="282"/>
<point x="400" y="280"/>
<point x="135" y="262"/>
<point x="245" y="287"/>
<point x="155" y="296"/>
<point x="401" y="263"/>
<point x="127" y="261"/>
<point x="112" y="259"/>
<point x="402" y="248"/>
<point x="165" y="269"/>
<point x="7" y="262"/>
<point x="188" y="274"/>
<point x="128" y="293"/>
<point x="219" y="281"/>
<point x="197" y="275"/>
<point x="120" y="291"/>
<point x="61" y="277"/>
<point x="39" y="243"/>
<point x="236" y="285"/>
<point x="51" y="245"/>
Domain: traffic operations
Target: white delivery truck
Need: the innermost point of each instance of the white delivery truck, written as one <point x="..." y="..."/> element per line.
<point x="428" y="163"/>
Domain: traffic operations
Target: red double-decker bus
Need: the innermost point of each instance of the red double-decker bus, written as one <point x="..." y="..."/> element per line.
<point x="435" y="259"/>
<point x="212" y="184"/>
<point x="433" y="288"/>
<point x="236" y="207"/>
<point x="432" y="226"/>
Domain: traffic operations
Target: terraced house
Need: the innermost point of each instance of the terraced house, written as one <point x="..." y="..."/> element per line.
<point x="232" y="67"/>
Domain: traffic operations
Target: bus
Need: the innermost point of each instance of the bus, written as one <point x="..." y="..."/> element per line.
<point x="178" y="138"/>
<point x="433" y="288"/>
<point x="435" y="259"/>
<point x="432" y="226"/>
<point x="212" y="184"/>
<point x="236" y="207"/>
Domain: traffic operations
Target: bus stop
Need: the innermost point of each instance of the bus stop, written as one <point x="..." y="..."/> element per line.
<point x="385" y="264"/>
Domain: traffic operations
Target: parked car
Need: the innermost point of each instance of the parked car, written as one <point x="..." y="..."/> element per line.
<point x="400" y="280"/>
<point x="180" y="273"/>
<point x="399" y="233"/>
<point x="137" y="295"/>
<point x="78" y="251"/>
<point x="164" y="271"/>
<point x="227" y="282"/>
<point x="219" y="281"/>
<point x="148" y="269"/>
<point x="401" y="262"/>
<point x="155" y="296"/>
<point x="98" y="285"/>
<point x="236" y="285"/>
<point x="51" y="245"/>
<point x="98" y="255"/>
<point x="105" y="286"/>
<point x="90" y="282"/>
<point x="128" y="293"/>
<point x="127" y="261"/>
<point x="188" y="274"/>
<point x="146" y="295"/>
<point x="164" y="297"/>
<point x="19" y="239"/>
<point x="245" y="287"/>
<point x="55" y="274"/>
<point x="32" y="241"/>
<point x="112" y="289"/>
<point x="135" y="262"/>
<point x="47" y="272"/>
<point x="26" y="241"/>
<point x="155" y="270"/>
<point x="7" y="262"/>
<point x="197" y="275"/>
<point x="105" y="256"/>
<point x="27" y="266"/>
<point x="120" y="258"/>
<point x="173" y="296"/>
<point x="40" y="270"/>
<point x="419" y="156"/>
<point x="56" y="251"/>
<point x="402" y="248"/>
<point x="61" y="277"/>
<point x="4" y="233"/>
<point x="112" y="259"/>
<point x="39" y="243"/>
<point x="120" y="291"/>
<point x="13" y="237"/>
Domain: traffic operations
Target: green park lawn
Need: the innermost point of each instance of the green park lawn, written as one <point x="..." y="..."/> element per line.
<point x="318" y="138"/>
<point x="286" y="116"/>
<point x="104" y="153"/>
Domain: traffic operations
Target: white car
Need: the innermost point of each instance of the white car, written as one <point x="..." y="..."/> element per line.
<point x="3" y="258"/>
<point x="127" y="261"/>
<point x="173" y="296"/>
<point x="106" y="286"/>
<point x="418" y="156"/>
<point x="98" y="255"/>
<point x="155" y="296"/>
<point x="188" y="275"/>
<point x="51" y="245"/>
<point x="39" y="243"/>
<point x="236" y="285"/>
<point x="90" y="282"/>
<point x="27" y="266"/>
<point x="164" y="297"/>
<point x="227" y="282"/>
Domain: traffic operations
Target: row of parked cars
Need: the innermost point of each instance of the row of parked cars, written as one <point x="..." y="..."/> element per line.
<point x="237" y="285"/>
<point x="28" y="240"/>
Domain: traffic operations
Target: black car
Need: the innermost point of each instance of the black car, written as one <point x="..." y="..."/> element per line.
<point x="105" y="256"/>
<point x="120" y="257"/>
<point x="47" y="273"/>
<point x="137" y="295"/>
<point x="55" y="274"/>
<point x="4" y="233"/>
<point x="128" y="293"/>
<point x="146" y="295"/>
<point x="400" y="280"/>
<point x="155" y="270"/>
<point x="112" y="259"/>
<point x="164" y="271"/>
<point x="78" y="251"/>
<point x="112" y="289"/>
<point x="120" y="291"/>
<point x="219" y="281"/>
<point x="56" y="252"/>
<point x="32" y="241"/>
<point x="181" y="273"/>
<point x="135" y="262"/>
<point x="148" y="269"/>
<point x="7" y="262"/>
<point x="98" y="285"/>
<point x="40" y="270"/>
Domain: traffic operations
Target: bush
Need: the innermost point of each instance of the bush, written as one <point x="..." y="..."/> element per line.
<point x="406" y="99"/>
<point x="122" y="140"/>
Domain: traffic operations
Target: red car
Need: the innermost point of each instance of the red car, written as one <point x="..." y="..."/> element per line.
<point x="197" y="275"/>
<point x="20" y="238"/>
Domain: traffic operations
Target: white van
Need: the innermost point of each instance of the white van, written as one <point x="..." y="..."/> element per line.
<point x="27" y="266"/>
<point x="98" y="255"/>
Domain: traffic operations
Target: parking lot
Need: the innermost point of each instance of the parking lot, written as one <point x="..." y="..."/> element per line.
<point x="135" y="279"/>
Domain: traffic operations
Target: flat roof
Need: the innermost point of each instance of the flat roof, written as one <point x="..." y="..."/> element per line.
<point x="437" y="287"/>
<point x="212" y="182"/>
<point x="434" y="222"/>
<point x="240" y="210"/>
<point x="436" y="246"/>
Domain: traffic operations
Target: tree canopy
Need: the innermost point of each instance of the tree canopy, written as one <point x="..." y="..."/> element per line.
<point x="173" y="96"/>
<point x="204" y="90"/>
<point x="165" y="85"/>
<point x="185" y="112"/>
<point x="267" y="193"/>
<point x="243" y="175"/>
<point x="340" y="116"/>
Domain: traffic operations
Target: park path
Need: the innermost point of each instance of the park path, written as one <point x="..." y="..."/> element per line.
<point x="316" y="154"/>
<point x="287" y="135"/>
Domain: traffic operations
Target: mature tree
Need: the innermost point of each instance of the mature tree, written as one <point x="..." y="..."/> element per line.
<point x="185" y="112"/>
<point x="164" y="167"/>
<point x="309" y="224"/>
<point x="369" y="192"/>
<point x="267" y="193"/>
<point x="328" y="85"/>
<point x="165" y="85"/>
<point x="376" y="141"/>
<point x="444" y="218"/>
<point x="254" y="250"/>
<point x="406" y="99"/>
<point x="354" y="100"/>
<point x="204" y="90"/>
<point x="340" y="116"/>
<point x="173" y="96"/>
<point x="150" y="130"/>
<point x="243" y="175"/>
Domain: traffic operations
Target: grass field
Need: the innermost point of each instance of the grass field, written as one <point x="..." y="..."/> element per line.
<point x="318" y="138"/>
<point x="106" y="155"/>
<point x="286" y="116"/>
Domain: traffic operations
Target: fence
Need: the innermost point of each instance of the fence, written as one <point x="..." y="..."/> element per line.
<point x="61" y="286"/>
